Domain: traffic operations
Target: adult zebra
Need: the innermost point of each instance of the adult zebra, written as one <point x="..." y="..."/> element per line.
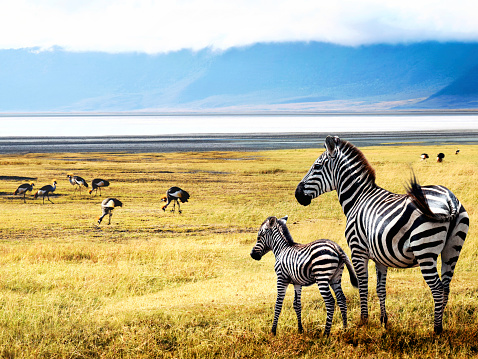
<point x="321" y="262"/>
<point x="393" y="230"/>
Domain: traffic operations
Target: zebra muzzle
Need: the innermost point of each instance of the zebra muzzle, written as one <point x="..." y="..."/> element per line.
<point x="256" y="255"/>
<point x="301" y="197"/>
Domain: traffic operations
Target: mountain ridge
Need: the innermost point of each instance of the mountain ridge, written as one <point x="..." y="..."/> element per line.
<point x="300" y="77"/>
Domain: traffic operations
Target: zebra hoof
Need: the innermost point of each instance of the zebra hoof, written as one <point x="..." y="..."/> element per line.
<point x="363" y="320"/>
<point x="384" y="321"/>
<point x="438" y="330"/>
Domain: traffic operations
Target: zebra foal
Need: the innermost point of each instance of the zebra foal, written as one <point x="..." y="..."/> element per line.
<point x="394" y="230"/>
<point x="320" y="262"/>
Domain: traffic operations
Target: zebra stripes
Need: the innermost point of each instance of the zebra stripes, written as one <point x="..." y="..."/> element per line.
<point x="393" y="230"/>
<point x="320" y="262"/>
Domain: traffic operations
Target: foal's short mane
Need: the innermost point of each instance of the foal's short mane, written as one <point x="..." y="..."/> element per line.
<point x="286" y="233"/>
<point x="272" y="221"/>
<point x="366" y="166"/>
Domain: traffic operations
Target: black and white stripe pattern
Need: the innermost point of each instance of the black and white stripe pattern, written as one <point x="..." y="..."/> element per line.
<point x="393" y="230"/>
<point x="320" y="262"/>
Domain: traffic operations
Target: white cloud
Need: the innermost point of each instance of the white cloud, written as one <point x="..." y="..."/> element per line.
<point x="167" y="25"/>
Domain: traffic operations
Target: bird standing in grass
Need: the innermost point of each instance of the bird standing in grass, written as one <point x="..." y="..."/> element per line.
<point x="23" y="189"/>
<point x="77" y="181"/>
<point x="107" y="206"/>
<point x="174" y="194"/>
<point x="98" y="183"/>
<point x="45" y="191"/>
<point x="424" y="156"/>
<point x="440" y="157"/>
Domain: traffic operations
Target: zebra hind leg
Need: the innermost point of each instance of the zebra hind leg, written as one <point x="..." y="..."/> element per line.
<point x="428" y="266"/>
<point x="381" y="291"/>
<point x="341" y="301"/>
<point x="451" y="252"/>
<point x="298" y="306"/>
<point x="329" y="304"/>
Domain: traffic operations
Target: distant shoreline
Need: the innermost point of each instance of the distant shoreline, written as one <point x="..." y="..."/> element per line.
<point x="227" y="142"/>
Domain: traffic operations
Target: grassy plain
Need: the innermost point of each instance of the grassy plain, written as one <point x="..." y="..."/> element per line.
<point x="160" y="284"/>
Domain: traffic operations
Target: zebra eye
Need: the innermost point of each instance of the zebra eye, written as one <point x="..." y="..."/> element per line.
<point x="318" y="166"/>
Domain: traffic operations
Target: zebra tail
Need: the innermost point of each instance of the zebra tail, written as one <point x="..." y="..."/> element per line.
<point x="415" y="193"/>
<point x="350" y="267"/>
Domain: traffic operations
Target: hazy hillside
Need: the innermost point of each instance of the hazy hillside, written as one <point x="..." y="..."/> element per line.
<point x="286" y="76"/>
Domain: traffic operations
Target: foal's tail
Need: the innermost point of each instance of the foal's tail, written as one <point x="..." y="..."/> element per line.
<point x="350" y="267"/>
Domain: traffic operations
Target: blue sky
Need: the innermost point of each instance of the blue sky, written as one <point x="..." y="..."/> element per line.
<point x="168" y="25"/>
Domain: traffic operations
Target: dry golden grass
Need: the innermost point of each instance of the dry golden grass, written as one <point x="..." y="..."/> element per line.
<point x="160" y="284"/>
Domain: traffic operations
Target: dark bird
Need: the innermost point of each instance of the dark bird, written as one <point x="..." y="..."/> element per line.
<point x="457" y="152"/>
<point x="107" y="207"/>
<point x="23" y="189"/>
<point x="45" y="191"/>
<point x="174" y="194"/>
<point x="98" y="183"/>
<point x="424" y="156"/>
<point x="77" y="181"/>
<point x="440" y="157"/>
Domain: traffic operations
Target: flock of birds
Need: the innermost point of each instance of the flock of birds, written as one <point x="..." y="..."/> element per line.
<point x="173" y="194"/>
<point x="440" y="156"/>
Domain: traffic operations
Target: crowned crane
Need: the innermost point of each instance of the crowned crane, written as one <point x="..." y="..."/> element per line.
<point x="107" y="206"/>
<point x="98" y="183"/>
<point x="424" y="156"/>
<point x="45" y="191"/>
<point x="23" y="189"/>
<point x="440" y="157"/>
<point x="174" y="194"/>
<point x="77" y="181"/>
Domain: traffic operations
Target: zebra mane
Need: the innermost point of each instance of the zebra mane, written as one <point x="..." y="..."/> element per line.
<point x="285" y="231"/>
<point x="365" y="164"/>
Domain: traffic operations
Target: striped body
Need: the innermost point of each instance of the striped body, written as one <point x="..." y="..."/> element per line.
<point x="23" y="189"/>
<point x="175" y="194"/>
<point x="107" y="207"/>
<point x="393" y="230"/>
<point x="45" y="191"/>
<point x="321" y="262"/>
<point x="98" y="183"/>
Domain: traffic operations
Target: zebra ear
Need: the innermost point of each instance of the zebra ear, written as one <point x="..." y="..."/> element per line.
<point x="285" y="219"/>
<point x="272" y="221"/>
<point x="331" y="143"/>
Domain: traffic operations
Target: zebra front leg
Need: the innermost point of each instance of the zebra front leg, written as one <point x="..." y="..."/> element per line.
<point x="298" y="306"/>
<point x="360" y="262"/>
<point x="381" y="291"/>
<point x="281" y="290"/>
<point x="329" y="304"/>
<point x="341" y="301"/>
